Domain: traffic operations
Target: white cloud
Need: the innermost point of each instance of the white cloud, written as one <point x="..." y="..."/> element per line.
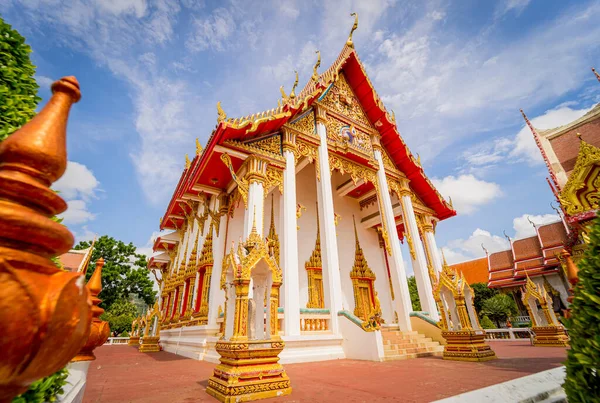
<point x="523" y="227"/>
<point x="117" y="7"/>
<point x="44" y="82"/>
<point x="288" y="8"/>
<point x="506" y="6"/>
<point x="77" y="181"/>
<point x="471" y="247"/>
<point x="452" y="256"/>
<point x="524" y="143"/>
<point x="84" y="235"/>
<point x="77" y="213"/>
<point x="467" y="192"/>
<point x="212" y="32"/>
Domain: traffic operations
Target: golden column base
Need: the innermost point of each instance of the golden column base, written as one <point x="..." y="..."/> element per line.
<point x="249" y="370"/>
<point x="149" y="344"/>
<point x="550" y="336"/>
<point x="467" y="345"/>
<point x="134" y="341"/>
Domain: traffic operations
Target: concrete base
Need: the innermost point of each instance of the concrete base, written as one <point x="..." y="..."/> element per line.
<point x="198" y="343"/>
<point x="541" y="387"/>
<point x="76" y="382"/>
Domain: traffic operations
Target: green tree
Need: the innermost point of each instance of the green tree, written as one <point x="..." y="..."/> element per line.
<point x="583" y="360"/>
<point x="18" y="89"/>
<point x="120" y="316"/>
<point x="414" y="293"/>
<point x="482" y="292"/>
<point x="486" y="323"/>
<point x="124" y="272"/>
<point x="499" y="308"/>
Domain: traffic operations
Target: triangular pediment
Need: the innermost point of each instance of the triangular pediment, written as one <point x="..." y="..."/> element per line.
<point x="341" y="99"/>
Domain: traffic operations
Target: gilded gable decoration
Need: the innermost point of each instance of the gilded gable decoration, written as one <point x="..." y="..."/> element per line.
<point x="363" y="281"/>
<point x="305" y="125"/>
<point x="580" y="193"/>
<point x="341" y="99"/>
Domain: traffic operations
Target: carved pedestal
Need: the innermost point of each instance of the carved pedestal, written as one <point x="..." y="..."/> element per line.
<point x="467" y="345"/>
<point x="134" y="341"/>
<point x="149" y="344"/>
<point x="249" y="370"/>
<point x="550" y="336"/>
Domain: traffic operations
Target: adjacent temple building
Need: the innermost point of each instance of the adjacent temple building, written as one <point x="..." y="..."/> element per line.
<point x="327" y="181"/>
<point x="572" y="155"/>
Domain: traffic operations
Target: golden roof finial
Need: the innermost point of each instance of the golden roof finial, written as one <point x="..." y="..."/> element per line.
<point x="187" y="162"/>
<point x="293" y="93"/>
<point x="315" y="75"/>
<point x="221" y="115"/>
<point x="444" y="262"/>
<point x="418" y="159"/>
<point x="596" y="73"/>
<point x="349" y="42"/>
<point x="355" y="233"/>
<point x="283" y="94"/>
<point x="450" y="202"/>
<point x="198" y="147"/>
<point x="579" y="136"/>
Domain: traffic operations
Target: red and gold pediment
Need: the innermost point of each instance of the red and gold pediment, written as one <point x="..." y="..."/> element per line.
<point x="581" y="192"/>
<point x="342" y="101"/>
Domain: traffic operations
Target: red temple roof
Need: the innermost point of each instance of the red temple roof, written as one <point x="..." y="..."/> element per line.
<point x="475" y="271"/>
<point x="270" y="121"/>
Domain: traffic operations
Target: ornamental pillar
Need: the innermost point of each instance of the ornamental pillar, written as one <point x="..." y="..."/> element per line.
<point x="401" y="303"/>
<point x="289" y="261"/>
<point x="216" y="296"/>
<point x="331" y="267"/>
<point x="417" y="253"/>
<point x="256" y="170"/>
<point x="431" y="245"/>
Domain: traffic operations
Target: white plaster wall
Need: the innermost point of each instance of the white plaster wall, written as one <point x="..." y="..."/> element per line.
<point x="236" y="226"/>
<point x="361" y="345"/>
<point x="555" y="282"/>
<point x="346" y="207"/>
<point x="306" y="194"/>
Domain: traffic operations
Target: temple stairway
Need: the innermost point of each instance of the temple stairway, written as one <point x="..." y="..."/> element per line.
<point x="399" y="345"/>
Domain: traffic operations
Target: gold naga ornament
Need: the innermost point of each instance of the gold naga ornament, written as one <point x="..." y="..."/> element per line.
<point x="45" y="312"/>
<point x="459" y="321"/>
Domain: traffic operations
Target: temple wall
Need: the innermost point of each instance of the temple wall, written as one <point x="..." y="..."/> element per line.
<point x="306" y="194"/>
<point x="346" y="207"/>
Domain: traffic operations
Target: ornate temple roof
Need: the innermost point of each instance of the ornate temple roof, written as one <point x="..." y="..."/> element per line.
<point x="475" y="271"/>
<point x="197" y="174"/>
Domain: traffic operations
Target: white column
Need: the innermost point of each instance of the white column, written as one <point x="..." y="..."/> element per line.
<point x="419" y="261"/>
<point x="289" y="244"/>
<point x="256" y="193"/>
<point x="216" y="296"/>
<point x="332" y="282"/>
<point x="401" y="303"/>
<point x="433" y="249"/>
<point x="195" y="290"/>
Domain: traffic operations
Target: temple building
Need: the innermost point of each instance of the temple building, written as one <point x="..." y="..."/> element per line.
<point x="572" y="154"/>
<point x="327" y="179"/>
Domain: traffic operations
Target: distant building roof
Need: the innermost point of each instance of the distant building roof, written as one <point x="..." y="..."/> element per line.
<point x="475" y="271"/>
<point x="76" y="260"/>
<point x="532" y="256"/>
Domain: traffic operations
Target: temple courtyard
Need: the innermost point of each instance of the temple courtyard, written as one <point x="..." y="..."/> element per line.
<point x="123" y="374"/>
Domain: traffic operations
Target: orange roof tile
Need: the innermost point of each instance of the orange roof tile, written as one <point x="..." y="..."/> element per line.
<point x="475" y="271"/>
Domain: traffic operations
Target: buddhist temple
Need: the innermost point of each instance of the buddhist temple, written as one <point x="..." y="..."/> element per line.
<point x="76" y="260"/>
<point x="327" y="181"/>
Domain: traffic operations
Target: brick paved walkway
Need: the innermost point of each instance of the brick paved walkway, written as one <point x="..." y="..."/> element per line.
<point x="122" y="374"/>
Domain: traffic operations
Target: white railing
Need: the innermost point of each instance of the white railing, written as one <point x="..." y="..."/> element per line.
<point x="520" y="319"/>
<point x="509" y="334"/>
<point x="314" y="322"/>
<point x="116" y="340"/>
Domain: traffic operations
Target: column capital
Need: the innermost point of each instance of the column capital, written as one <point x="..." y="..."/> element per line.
<point x="376" y="141"/>
<point x="428" y="223"/>
<point x="256" y="169"/>
<point x="289" y="140"/>
<point x="320" y="114"/>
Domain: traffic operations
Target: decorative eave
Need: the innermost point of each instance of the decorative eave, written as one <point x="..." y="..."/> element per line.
<point x="231" y="130"/>
<point x="167" y="242"/>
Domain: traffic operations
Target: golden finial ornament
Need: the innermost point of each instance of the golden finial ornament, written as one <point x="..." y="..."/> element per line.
<point x="100" y="330"/>
<point x="450" y="202"/>
<point x="221" y="115"/>
<point x="349" y="42"/>
<point x="45" y="311"/>
<point x="579" y="136"/>
<point x="293" y="93"/>
<point x="283" y="94"/>
<point x="315" y="75"/>
<point x="198" y="147"/>
<point x="187" y="162"/>
<point x="418" y="159"/>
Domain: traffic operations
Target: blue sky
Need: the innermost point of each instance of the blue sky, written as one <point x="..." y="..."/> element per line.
<point x="455" y="73"/>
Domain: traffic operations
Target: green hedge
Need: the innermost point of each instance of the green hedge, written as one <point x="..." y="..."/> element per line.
<point x="46" y="389"/>
<point x="583" y="360"/>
